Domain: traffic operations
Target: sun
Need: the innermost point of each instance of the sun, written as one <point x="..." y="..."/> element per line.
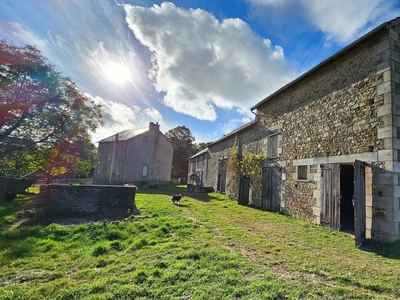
<point x="116" y="72"/>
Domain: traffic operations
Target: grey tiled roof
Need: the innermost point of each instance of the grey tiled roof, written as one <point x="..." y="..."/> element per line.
<point x="199" y="153"/>
<point x="125" y="135"/>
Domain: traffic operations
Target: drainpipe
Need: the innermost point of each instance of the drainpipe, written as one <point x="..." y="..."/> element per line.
<point x="126" y="161"/>
<point x="113" y="157"/>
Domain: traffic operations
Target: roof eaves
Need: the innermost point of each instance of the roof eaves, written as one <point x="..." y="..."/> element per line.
<point x="247" y="125"/>
<point x="124" y="135"/>
<point x="199" y="153"/>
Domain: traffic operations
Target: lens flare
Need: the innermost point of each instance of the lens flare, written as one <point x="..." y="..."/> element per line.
<point x="116" y="72"/>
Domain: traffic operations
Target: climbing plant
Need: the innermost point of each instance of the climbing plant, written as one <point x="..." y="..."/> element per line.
<point x="249" y="165"/>
<point x="234" y="162"/>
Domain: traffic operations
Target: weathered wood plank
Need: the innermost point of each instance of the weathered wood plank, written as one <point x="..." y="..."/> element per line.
<point x="359" y="202"/>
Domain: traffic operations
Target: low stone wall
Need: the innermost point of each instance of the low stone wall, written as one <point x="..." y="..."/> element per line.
<point x="199" y="188"/>
<point x="87" y="200"/>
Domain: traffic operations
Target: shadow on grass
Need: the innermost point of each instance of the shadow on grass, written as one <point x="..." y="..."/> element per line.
<point x="388" y="250"/>
<point x="11" y="210"/>
<point x="178" y="189"/>
<point x="182" y="205"/>
<point x="391" y="250"/>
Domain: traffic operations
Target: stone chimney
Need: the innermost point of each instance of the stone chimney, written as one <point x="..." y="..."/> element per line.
<point x="154" y="126"/>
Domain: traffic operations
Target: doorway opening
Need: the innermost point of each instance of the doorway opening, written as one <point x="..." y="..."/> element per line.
<point x="346" y="203"/>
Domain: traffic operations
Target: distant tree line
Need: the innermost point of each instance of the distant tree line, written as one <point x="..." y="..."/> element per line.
<point x="184" y="146"/>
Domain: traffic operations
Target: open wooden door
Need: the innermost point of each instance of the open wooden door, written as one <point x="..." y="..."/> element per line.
<point x="330" y="196"/>
<point x="359" y="202"/>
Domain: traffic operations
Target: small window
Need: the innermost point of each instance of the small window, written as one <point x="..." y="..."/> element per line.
<point x="145" y="139"/>
<point x="302" y="172"/>
<point x="144" y="171"/>
<point x="99" y="168"/>
<point x="272" y="146"/>
<point x="120" y="150"/>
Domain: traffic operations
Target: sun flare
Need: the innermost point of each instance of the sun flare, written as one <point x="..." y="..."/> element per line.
<point x="116" y="72"/>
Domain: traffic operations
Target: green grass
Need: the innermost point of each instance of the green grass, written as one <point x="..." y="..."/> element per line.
<point x="208" y="248"/>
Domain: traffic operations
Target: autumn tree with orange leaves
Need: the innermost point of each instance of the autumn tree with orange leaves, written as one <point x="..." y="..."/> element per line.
<point x="40" y="109"/>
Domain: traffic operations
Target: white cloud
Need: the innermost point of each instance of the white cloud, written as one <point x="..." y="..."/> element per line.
<point x="246" y="114"/>
<point x="118" y="117"/>
<point x="88" y="41"/>
<point x="19" y="35"/>
<point x="200" y="63"/>
<point x="342" y="21"/>
<point x="231" y="125"/>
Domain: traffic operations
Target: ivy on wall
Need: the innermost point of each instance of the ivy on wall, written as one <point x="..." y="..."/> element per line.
<point x="234" y="164"/>
<point x="252" y="165"/>
<point x="249" y="165"/>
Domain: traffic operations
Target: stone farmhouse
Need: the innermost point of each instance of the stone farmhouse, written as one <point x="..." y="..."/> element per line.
<point x="134" y="156"/>
<point x="332" y="141"/>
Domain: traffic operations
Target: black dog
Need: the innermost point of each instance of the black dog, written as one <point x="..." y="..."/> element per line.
<point x="176" y="199"/>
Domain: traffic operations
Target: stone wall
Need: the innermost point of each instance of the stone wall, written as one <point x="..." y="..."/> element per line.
<point x="87" y="200"/>
<point x="250" y="139"/>
<point x="220" y="151"/>
<point x="332" y="112"/>
<point x="344" y="110"/>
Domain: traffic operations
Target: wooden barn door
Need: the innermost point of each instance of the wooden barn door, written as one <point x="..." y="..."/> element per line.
<point x="359" y="202"/>
<point x="330" y="196"/>
<point x="221" y="176"/>
<point x="271" y="186"/>
<point x="244" y="190"/>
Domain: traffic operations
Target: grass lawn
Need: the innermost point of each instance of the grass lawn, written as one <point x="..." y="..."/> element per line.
<point x="209" y="247"/>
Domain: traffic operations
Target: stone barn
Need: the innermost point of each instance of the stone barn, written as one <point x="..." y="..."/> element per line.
<point x="332" y="141"/>
<point x="339" y="138"/>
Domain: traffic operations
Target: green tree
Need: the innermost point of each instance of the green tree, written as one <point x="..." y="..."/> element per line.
<point x="182" y="141"/>
<point x="201" y="146"/>
<point x="75" y="154"/>
<point x="39" y="108"/>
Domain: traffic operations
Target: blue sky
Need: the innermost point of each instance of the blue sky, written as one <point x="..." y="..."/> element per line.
<point x="198" y="63"/>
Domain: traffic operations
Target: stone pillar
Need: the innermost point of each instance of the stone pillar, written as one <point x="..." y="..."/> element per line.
<point x="384" y="210"/>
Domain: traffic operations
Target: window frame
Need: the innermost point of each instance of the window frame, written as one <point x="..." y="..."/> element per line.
<point x="302" y="172"/>
<point x="272" y="145"/>
<point x="145" y="171"/>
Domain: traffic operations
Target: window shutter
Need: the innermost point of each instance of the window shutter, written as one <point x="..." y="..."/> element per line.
<point x="272" y="146"/>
